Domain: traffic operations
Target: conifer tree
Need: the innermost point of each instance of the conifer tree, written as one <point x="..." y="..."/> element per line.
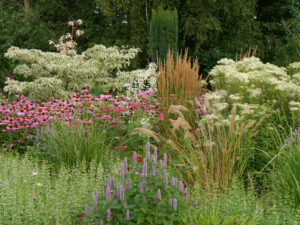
<point x="163" y="33"/>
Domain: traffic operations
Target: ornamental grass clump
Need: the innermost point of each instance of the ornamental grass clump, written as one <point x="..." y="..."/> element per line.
<point x="144" y="194"/>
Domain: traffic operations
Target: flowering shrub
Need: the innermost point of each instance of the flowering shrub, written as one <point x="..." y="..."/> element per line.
<point x="144" y="195"/>
<point x="58" y="74"/>
<point x="254" y="82"/>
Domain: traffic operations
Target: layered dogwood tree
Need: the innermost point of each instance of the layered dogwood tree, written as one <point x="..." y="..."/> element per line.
<point x="58" y="74"/>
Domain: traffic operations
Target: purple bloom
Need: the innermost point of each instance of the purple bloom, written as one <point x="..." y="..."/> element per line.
<point x="145" y="168"/>
<point x="144" y="199"/>
<point x="175" y="204"/>
<point x="181" y="186"/>
<point x="87" y="210"/>
<point x="108" y="194"/>
<point x="125" y="165"/>
<point x="165" y="160"/>
<point x="128" y="186"/>
<point x="158" y="196"/>
<point x="122" y="193"/>
<point x="101" y="222"/>
<point x="170" y="202"/>
<point x="108" y="212"/>
<point x="127" y="214"/>
<point x="148" y="150"/>
<point x="185" y="194"/>
<point x="122" y="171"/>
<point x="134" y="159"/>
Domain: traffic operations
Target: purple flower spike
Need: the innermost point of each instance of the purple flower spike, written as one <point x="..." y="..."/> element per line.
<point x="108" y="194"/>
<point x="109" y="180"/>
<point x="173" y="181"/>
<point x="144" y="199"/>
<point x="161" y="164"/>
<point x="148" y="150"/>
<point x="125" y="205"/>
<point x="95" y="200"/>
<point x="154" y="159"/>
<point x="181" y="186"/>
<point x="186" y="194"/>
<point x="87" y="210"/>
<point x="145" y="168"/>
<point x="155" y="153"/>
<point x="101" y="222"/>
<point x="141" y="188"/>
<point x="127" y="214"/>
<point x="170" y="202"/>
<point x="128" y="186"/>
<point x="141" y="171"/>
<point x="158" y="196"/>
<point x="175" y="204"/>
<point x="166" y="178"/>
<point x="122" y="193"/>
<point x="112" y="182"/>
<point x="134" y="159"/>
<point x="153" y="172"/>
<point x="165" y="160"/>
<point x="108" y="212"/>
<point x="122" y="172"/>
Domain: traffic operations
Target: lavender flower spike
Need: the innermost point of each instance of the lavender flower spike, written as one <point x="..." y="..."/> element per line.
<point x="122" y="171"/>
<point x="128" y="186"/>
<point x="108" y="214"/>
<point x="125" y="165"/>
<point x="87" y="210"/>
<point x="145" y="168"/>
<point x="148" y="150"/>
<point x="122" y="193"/>
<point x="108" y="194"/>
<point x="175" y="204"/>
<point x="165" y="160"/>
<point x="185" y="194"/>
<point x="108" y="179"/>
<point x="170" y="202"/>
<point x="158" y="195"/>
<point x="95" y="201"/>
<point x="181" y="186"/>
<point x="127" y="214"/>
<point x="161" y="164"/>
<point x="101" y="222"/>
<point x="134" y="159"/>
<point x="155" y="153"/>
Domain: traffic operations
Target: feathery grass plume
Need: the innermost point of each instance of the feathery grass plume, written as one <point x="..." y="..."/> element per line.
<point x="180" y="77"/>
<point x="176" y="109"/>
<point x="141" y="131"/>
<point x="179" y="123"/>
<point x="248" y="54"/>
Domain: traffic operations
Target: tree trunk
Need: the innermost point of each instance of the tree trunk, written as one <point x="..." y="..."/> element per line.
<point x="27" y="4"/>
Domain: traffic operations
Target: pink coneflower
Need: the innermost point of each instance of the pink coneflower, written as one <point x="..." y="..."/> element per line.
<point x="34" y="197"/>
<point x="161" y="116"/>
<point x="122" y="148"/>
<point x="117" y="137"/>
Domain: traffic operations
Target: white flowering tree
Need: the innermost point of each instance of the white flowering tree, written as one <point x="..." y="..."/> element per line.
<point x="58" y="74"/>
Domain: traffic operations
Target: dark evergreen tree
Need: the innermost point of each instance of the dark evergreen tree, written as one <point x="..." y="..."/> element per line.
<point x="163" y="33"/>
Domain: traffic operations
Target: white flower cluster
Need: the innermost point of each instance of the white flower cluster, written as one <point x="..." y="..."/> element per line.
<point x="138" y="80"/>
<point x="252" y="81"/>
<point x="68" y="72"/>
